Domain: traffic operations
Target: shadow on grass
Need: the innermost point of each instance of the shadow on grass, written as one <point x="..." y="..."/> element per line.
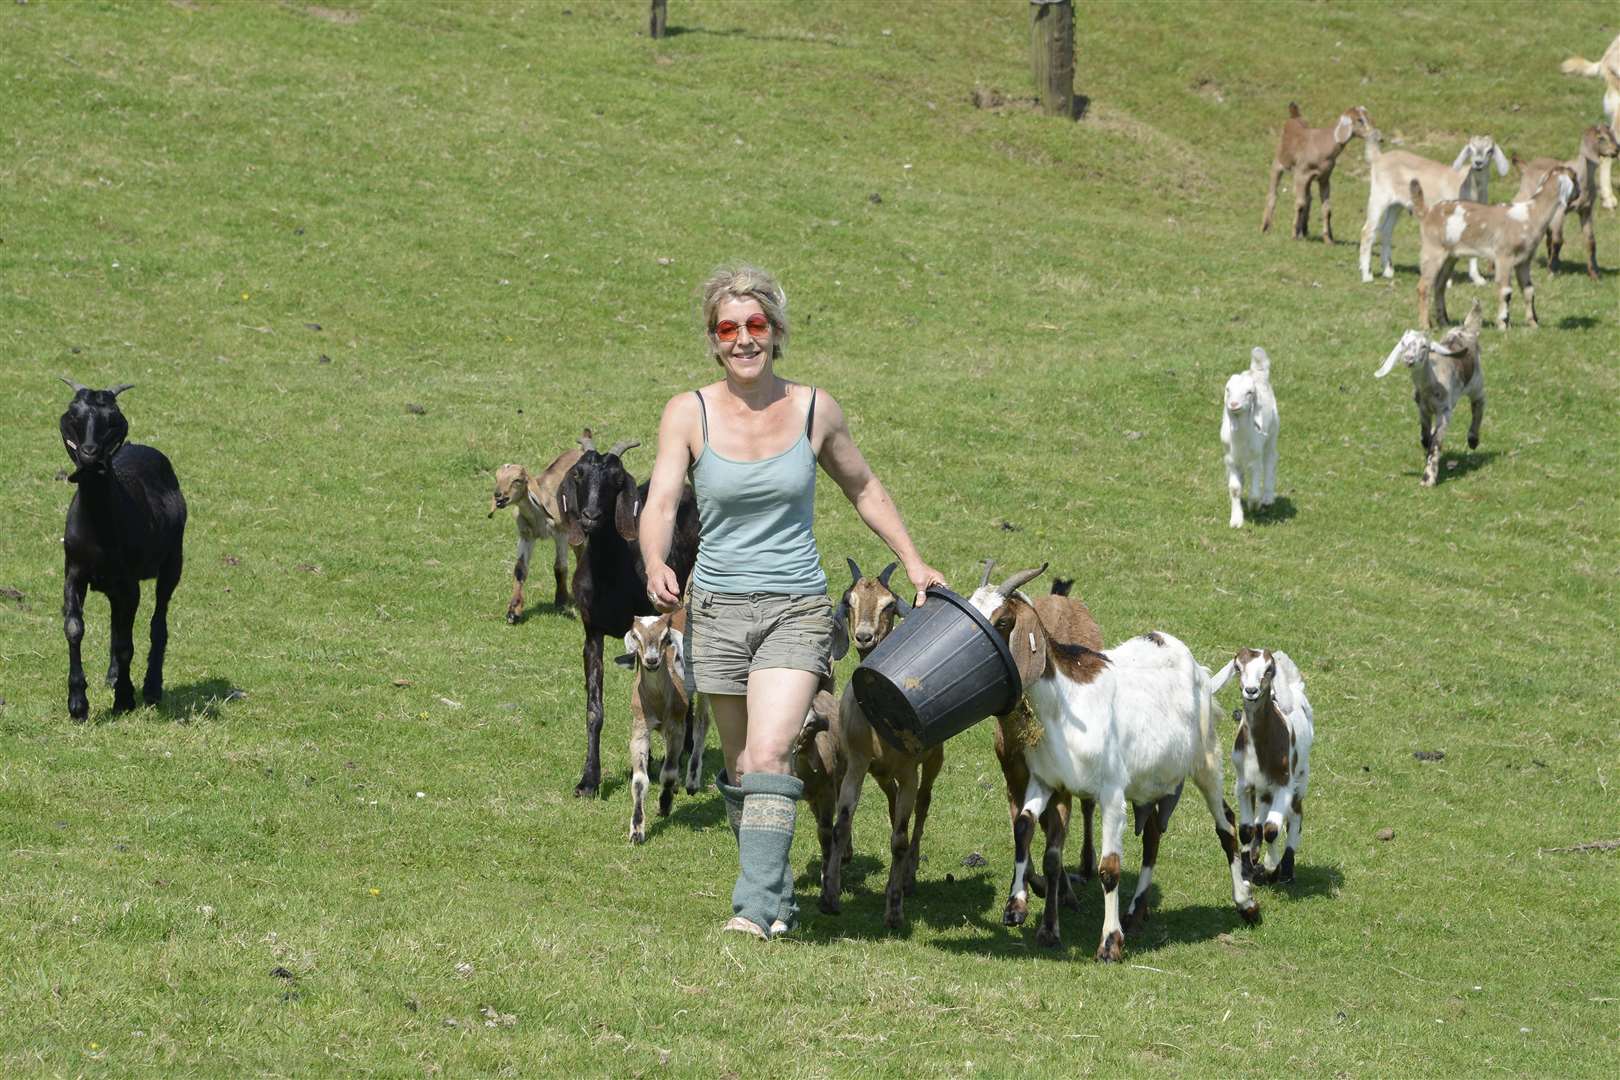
<point x="937" y="903"/>
<point x="1580" y="322"/>
<point x="737" y="32"/>
<point x="1457" y="466"/>
<point x="1282" y="509"/>
<point x="549" y="611"/>
<point x="1309" y="883"/>
<point x="194" y="701"/>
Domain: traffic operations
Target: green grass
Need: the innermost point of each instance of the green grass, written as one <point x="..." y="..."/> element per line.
<point x="500" y="213"/>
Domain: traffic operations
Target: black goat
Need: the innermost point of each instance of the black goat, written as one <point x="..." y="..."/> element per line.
<point x="601" y="506"/>
<point x="126" y="523"/>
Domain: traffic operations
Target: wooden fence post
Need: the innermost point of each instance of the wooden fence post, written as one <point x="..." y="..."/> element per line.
<point x="1051" y="54"/>
<point x="659" y="19"/>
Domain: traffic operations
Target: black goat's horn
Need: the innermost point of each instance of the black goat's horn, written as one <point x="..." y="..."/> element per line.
<point x="1023" y="577"/>
<point x="854" y="572"/>
<point x="76" y="386"/>
<point x="989" y="564"/>
<point x="120" y="388"/>
<point x="622" y="446"/>
<point x="587" y="443"/>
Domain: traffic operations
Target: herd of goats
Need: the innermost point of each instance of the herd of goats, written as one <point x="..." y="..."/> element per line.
<point x="1115" y="727"/>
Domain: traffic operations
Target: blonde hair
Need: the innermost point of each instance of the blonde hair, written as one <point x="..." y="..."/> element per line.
<point x="744" y="281"/>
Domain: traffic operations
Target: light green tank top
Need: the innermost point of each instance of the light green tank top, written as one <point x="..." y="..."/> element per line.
<point x="755" y="519"/>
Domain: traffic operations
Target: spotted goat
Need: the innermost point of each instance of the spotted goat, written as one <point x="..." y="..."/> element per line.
<point x="1271" y="758"/>
<point x="1131" y="724"/>
<point x="1392" y="176"/>
<point x="655" y="649"/>
<point x="1598" y="145"/>
<point x="1443" y="372"/>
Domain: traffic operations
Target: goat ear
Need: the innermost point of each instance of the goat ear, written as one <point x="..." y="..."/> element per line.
<point x="1221" y="677"/>
<point x="1341" y="130"/>
<point x="1566" y="188"/>
<point x="901" y="607"/>
<point x="627" y="510"/>
<point x="630" y="645"/>
<point x="840" y="629"/>
<point x="1501" y="160"/>
<point x="677" y="642"/>
<point x="568" y="506"/>
<point x="1389" y="361"/>
<point x="627" y="660"/>
<point x="1461" y="158"/>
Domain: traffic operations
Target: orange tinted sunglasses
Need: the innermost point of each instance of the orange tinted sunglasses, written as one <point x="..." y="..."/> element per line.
<point x="758" y="326"/>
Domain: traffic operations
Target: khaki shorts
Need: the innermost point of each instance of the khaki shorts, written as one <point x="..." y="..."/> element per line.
<point x="729" y="635"/>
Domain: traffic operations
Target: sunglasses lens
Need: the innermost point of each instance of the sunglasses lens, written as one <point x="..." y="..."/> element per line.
<point x="758" y="325"/>
<point x="726" y="331"/>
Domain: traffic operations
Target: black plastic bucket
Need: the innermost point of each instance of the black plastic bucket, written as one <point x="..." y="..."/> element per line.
<point x="941" y="670"/>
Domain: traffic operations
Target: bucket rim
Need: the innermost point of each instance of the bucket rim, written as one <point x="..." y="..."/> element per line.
<point x="962" y="604"/>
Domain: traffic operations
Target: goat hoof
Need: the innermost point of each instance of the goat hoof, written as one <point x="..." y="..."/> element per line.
<point x="1014" y="916"/>
<point x="666" y="800"/>
<point x="583" y="790"/>
<point x="1112" y="949"/>
<point x="1473" y="443"/>
<point x="830" y="905"/>
<point x="78" y="709"/>
<point x="1251" y="914"/>
<point x="893" y="916"/>
<point x="152" y="697"/>
<point x="638" y="836"/>
<point x="124" y="702"/>
<point x="1136" y="918"/>
<point x="1048" y="938"/>
<point x="511" y="618"/>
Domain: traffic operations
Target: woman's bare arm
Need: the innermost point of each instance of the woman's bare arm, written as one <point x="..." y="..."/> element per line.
<point x="663" y="498"/>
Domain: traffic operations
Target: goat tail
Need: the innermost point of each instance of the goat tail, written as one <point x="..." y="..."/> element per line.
<point x="1294" y="114"/>
<point x="1579" y="65"/>
<point x="1419" y="207"/>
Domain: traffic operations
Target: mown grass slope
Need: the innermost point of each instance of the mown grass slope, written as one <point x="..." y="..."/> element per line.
<point x="288" y="224"/>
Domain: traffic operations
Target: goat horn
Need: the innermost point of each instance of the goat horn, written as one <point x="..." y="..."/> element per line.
<point x="989" y="564"/>
<point x="854" y="572"/>
<point x="120" y="388"/>
<point x="76" y="386"/>
<point x="587" y="443"/>
<point x="622" y="446"/>
<point x="1023" y="577"/>
<point x="883" y="578"/>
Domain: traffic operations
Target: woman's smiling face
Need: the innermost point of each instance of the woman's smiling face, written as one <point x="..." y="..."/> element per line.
<point x="747" y="356"/>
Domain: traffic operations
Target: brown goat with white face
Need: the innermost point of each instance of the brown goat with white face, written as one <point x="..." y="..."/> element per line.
<point x="1597" y="145"/>
<point x="1311" y="153"/>
<point x="655" y="651"/>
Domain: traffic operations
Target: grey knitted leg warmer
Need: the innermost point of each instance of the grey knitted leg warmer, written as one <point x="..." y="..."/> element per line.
<point x="764" y="890"/>
<point x="734" y="800"/>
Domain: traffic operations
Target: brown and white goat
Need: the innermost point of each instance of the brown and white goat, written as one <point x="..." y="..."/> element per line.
<point x="1597" y="145"/>
<point x="818" y="762"/>
<point x="1442" y="372"/>
<point x="1507" y="234"/>
<point x="1390" y="180"/>
<point x="1129" y="725"/>
<point x="1271" y="758"/>
<point x="866" y="615"/>
<point x="1311" y="153"/>
<point x="538" y="517"/>
<point x="655" y="651"/>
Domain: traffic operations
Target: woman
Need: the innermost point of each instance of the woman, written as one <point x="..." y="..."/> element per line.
<point x="759" y="622"/>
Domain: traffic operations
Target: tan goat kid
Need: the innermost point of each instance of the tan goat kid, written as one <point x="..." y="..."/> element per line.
<point x="1597" y="145"/>
<point x="655" y="651"/>
<point x="1507" y="234"/>
<point x="1311" y="154"/>
<point x="538" y="517"/>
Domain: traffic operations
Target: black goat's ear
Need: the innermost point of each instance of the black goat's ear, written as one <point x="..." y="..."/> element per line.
<point x="627" y="660"/>
<point x="568" y="506"/>
<point x="840" y="629"/>
<point x="627" y="509"/>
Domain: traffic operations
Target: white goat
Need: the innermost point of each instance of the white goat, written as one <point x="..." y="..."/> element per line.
<point x="1442" y="372"/>
<point x="1130" y="724"/>
<point x="1389" y="190"/>
<point x="1271" y="757"/>
<point x="1249" y="426"/>
<point x="655" y="650"/>
<point x="1609" y="70"/>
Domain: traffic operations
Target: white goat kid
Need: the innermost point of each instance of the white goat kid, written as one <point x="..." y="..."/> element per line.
<point x="1249" y="426"/>
<point x="1271" y="757"/>
<point x="1127" y="725"/>
<point x="1389" y="181"/>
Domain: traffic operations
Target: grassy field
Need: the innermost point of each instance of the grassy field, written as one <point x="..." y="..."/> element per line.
<point x="355" y="258"/>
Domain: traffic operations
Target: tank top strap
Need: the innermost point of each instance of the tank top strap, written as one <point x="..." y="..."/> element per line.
<point x="810" y="420"/>
<point x="703" y="411"/>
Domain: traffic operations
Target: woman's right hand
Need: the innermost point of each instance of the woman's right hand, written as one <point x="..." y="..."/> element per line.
<point x="662" y="587"/>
